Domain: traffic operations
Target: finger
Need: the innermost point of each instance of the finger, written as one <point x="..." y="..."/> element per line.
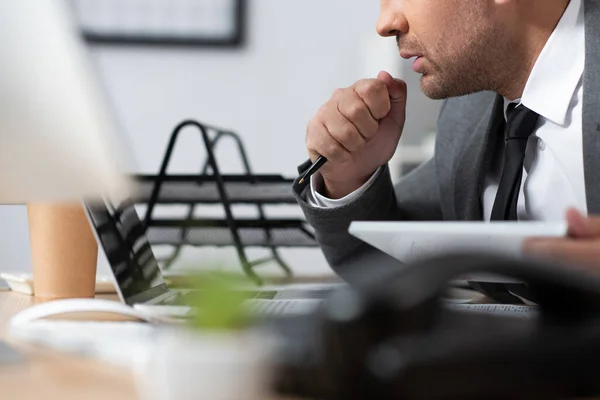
<point x="313" y="155"/>
<point x="396" y="87"/>
<point x="320" y="141"/>
<point x="351" y="106"/>
<point x="581" y="226"/>
<point x="375" y="95"/>
<point x="345" y="132"/>
<point x="398" y="94"/>
<point x="584" y="252"/>
<point x="337" y="126"/>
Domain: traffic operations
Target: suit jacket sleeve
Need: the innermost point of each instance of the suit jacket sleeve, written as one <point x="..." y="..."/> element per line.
<point x="414" y="198"/>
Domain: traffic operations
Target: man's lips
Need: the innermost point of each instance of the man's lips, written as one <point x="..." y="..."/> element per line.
<point x="418" y="63"/>
<point x="408" y="55"/>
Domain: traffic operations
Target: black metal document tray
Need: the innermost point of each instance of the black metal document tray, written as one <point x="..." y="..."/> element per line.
<point x="203" y="189"/>
<point x="210" y="186"/>
<point x="252" y="233"/>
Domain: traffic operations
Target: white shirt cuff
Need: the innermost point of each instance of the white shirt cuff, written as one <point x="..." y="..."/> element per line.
<point x="316" y="199"/>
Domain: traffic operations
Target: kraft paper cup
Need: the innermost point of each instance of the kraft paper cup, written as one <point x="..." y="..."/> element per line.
<point x="64" y="251"/>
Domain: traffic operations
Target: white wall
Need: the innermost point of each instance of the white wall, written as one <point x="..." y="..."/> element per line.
<point x="297" y="53"/>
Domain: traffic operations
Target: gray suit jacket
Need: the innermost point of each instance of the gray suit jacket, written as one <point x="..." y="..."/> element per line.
<point x="449" y="186"/>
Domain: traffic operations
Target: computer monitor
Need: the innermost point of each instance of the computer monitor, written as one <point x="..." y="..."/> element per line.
<point x="57" y="136"/>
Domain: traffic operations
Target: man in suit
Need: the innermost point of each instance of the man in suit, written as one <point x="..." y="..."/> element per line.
<point x="518" y="134"/>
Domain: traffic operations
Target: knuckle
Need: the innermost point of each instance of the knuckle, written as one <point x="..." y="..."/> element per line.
<point x="311" y="146"/>
<point x="356" y="111"/>
<point x="375" y="90"/>
<point x="347" y="135"/>
<point x="364" y="91"/>
<point x="338" y="93"/>
<point x="321" y="112"/>
<point x="349" y="131"/>
<point x="311" y="128"/>
<point x="310" y="142"/>
<point x="360" y="115"/>
<point x="320" y="119"/>
<point x="336" y="152"/>
<point x="376" y="96"/>
<point x="314" y="134"/>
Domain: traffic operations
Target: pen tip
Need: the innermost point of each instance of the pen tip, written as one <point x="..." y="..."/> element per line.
<point x="301" y="181"/>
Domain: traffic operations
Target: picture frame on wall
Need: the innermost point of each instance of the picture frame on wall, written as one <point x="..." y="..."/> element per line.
<point x="202" y="23"/>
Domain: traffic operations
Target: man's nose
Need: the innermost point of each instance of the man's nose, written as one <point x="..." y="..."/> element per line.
<point x="392" y="20"/>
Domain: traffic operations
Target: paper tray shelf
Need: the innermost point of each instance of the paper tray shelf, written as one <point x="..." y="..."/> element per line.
<point x="210" y="187"/>
<point x="255" y="189"/>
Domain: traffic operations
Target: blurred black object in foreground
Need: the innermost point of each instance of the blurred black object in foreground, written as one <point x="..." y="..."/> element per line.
<point x="393" y="338"/>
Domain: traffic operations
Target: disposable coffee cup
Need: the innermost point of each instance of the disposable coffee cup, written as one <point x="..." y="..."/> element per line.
<point x="64" y="251"/>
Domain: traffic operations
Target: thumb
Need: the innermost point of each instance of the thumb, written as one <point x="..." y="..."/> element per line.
<point x="397" y="91"/>
<point x="582" y="227"/>
<point x="396" y="87"/>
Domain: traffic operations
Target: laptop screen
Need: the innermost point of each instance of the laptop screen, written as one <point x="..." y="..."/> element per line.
<point x="123" y="238"/>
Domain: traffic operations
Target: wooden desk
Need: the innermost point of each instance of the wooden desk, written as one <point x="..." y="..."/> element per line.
<point x="51" y="375"/>
<point x="56" y="376"/>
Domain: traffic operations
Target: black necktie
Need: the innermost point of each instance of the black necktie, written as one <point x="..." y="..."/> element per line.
<point x="520" y="124"/>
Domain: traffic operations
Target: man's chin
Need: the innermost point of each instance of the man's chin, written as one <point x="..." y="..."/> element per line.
<point x="436" y="90"/>
<point x="431" y="88"/>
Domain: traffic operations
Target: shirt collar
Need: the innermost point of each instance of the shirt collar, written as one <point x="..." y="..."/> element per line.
<point x="558" y="69"/>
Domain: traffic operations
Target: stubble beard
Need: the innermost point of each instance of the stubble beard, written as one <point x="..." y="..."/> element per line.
<point x="485" y="62"/>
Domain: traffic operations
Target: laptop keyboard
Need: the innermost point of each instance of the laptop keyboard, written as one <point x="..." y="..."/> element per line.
<point x="180" y="299"/>
<point x="187" y="298"/>
<point x="318" y="294"/>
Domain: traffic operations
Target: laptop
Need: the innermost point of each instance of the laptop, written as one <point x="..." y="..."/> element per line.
<point x="140" y="282"/>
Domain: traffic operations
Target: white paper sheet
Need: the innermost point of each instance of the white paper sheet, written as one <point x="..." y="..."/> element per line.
<point x="413" y="241"/>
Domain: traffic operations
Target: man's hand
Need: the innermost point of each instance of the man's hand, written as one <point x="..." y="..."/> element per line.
<point x="580" y="248"/>
<point x="357" y="131"/>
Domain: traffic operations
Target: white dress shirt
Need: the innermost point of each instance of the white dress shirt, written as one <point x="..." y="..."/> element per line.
<point x="553" y="175"/>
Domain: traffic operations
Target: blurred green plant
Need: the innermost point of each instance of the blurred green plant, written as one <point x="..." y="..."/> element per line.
<point x="218" y="298"/>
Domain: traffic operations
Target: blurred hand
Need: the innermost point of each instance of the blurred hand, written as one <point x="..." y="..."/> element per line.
<point x="358" y="131"/>
<point x="580" y="248"/>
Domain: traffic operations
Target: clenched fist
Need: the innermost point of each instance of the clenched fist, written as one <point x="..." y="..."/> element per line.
<point x="358" y="131"/>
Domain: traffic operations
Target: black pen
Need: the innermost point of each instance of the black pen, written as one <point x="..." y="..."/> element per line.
<point x="313" y="168"/>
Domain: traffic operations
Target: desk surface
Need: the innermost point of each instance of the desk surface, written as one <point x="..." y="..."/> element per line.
<point x="51" y="375"/>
